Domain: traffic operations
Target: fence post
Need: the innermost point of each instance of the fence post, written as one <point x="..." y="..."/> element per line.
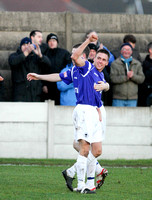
<point x="68" y="30"/>
<point x="50" y="130"/>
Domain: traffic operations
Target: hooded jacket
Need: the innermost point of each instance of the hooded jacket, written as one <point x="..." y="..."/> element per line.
<point x="67" y="92"/>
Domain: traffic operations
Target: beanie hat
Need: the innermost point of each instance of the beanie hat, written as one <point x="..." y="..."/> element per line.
<point x="126" y="44"/>
<point x="25" y="40"/>
<point x="92" y="46"/>
<point x="52" y="36"/>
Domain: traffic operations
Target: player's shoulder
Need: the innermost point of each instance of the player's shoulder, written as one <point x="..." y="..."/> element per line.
<point x="89" y="65"/>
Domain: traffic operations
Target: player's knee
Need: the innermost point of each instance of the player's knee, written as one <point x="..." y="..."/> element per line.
<point x="76" y="146"/>
<point x="84" y="152"/>
<point x="98" y="152"/>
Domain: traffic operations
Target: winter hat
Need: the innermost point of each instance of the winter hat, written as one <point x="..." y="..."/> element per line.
<point x="25" y="40"/>
<point x="52" y="36"/>
<point x="92" y="46"/>
<point x="126" y="44"/>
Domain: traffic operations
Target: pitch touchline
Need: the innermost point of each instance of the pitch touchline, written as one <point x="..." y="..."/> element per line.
<point x="35" y="165"/>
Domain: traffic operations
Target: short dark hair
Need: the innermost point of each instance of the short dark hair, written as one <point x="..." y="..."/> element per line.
<point x="76" y="45"/>
<point x="149" y="46"/>
<point x="33" y="33"/>
<point x="129" y="38"/>
<point x="104" y="51"/>
<point x="85" y="51"/>
<point x="93" y="46"/>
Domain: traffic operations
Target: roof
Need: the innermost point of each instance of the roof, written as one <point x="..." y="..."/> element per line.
<point x="82" y="6"/>
<point x="42" y="6"/>
<point x="116" y="6"/>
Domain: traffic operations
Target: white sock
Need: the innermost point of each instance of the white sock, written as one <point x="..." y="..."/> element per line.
<point x="81" y="166"/>
<point x="98" y="168"/>
<point x="91" y="166"/>
<point x="72" y="171"/>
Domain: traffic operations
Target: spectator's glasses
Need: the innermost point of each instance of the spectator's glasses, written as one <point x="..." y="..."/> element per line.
<point x="124" y="49"/>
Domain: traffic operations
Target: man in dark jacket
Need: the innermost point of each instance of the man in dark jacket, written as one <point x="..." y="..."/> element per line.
<point x="36" y="37"/>
<point x="59" y="58"/>
<point x="1" y="88"/>
<point x="146" y="88"/>
<point x="25" y="60"/>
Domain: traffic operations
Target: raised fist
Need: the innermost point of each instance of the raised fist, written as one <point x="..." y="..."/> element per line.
<point x="93" y="37"/>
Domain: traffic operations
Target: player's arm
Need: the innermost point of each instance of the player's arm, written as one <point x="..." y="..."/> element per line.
<point x="101" y="86"/>
<point x="76" y="56"/>
<point x="49" y="77"/>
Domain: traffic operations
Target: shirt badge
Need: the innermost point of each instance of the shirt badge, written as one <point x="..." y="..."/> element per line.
<point x="65" y="74"/>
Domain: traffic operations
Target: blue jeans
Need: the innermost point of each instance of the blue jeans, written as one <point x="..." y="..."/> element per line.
<point x="124" y="103"/>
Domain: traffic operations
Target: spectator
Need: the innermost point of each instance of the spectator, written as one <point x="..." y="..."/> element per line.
<point x="101" y="46"/>
<point x="59" y="59"/>
<point x="147" y="85"/>
<point x="1" y="78"/>
<point x="25" y="60"/>
<point x="1" y="88"/>
<point x="126" y="73"/>
<point x="67" y="92"/>
<point x="36" y="37"/>
<point x="131" y="39"/>
<point x="92" y="53"/>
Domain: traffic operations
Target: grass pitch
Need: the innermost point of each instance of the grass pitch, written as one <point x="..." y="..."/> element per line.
<point x="27" y="179"/>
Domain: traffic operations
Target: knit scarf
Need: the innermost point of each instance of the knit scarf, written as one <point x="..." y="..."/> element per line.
<point x="127" y="62"/>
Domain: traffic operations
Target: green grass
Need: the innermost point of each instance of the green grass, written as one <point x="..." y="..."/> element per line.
<point x="118" y="162"/>
<point x="43" y="180"/>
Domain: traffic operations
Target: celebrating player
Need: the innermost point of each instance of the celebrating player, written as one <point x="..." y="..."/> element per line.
<point x="88" y="114"/>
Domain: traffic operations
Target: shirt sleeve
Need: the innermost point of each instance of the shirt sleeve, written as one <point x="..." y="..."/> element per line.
<point x="66" y="76"/>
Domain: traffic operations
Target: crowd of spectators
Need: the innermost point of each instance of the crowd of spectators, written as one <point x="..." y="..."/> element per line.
<point x="130" y="79"/>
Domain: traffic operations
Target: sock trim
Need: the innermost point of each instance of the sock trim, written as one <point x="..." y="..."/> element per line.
<point x="90" y="178"/>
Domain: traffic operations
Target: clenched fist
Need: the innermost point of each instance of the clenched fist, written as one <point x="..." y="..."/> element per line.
<point x="93" y="37"/>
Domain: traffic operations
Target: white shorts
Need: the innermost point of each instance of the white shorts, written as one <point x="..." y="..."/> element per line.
<point x="87" y="125"/>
